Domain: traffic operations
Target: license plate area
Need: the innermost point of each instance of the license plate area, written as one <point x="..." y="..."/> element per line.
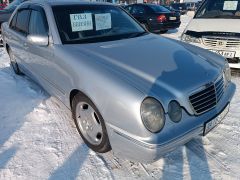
<point x="172" y="18"/>
<point x="208" y="126"/>
<point x="226" y="54"/>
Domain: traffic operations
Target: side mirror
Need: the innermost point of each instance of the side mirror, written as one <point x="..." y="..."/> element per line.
<point x="39" y="40"/>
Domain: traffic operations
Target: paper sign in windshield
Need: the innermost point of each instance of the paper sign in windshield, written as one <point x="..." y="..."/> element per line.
<point x="103" y="21"/>
<point x="230" y="5"/>
<point x="81" y="22"/>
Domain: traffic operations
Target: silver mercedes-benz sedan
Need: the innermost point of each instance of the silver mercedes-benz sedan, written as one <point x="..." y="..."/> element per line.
<point x="137" y="93"/>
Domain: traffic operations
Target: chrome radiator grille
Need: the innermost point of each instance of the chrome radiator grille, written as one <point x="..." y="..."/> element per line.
<point x="207" y="98"/>
<point x="220" y="42"/>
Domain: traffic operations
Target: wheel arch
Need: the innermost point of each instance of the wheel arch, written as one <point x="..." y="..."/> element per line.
<point x="73" y="93"/>
<point x="7" y="48"/>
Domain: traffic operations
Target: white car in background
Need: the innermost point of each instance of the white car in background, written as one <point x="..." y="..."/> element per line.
<point x="216" y="26"/>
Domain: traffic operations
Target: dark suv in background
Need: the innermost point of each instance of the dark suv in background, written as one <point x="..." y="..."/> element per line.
<point x="182" y="7"/>
<point x="6" y="13"/>
<point x="155" y="18"/>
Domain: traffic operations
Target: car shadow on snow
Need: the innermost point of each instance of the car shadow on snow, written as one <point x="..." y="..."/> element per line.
<point x="71" y="167"/>
<point x="6" y="155"/>
<point x="18" y="98"/>
<point x="180" y="72"/>
<point x="83" y="164"/>
<point x="187" y="161"/>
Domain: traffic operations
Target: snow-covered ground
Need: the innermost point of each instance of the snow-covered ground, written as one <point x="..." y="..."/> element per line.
<point x="38" y="140"/>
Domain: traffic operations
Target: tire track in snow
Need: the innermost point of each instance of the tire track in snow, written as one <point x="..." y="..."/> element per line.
<point x="108" y="161"/>
<point x="95" y="166"/>
<point x="198" y="149"/>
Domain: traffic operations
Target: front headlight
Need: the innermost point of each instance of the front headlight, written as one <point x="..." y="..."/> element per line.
<point x="152" y="114"/>
<point x="190" y="39"/>
<point x="227" y="74"/>
<point x="175" y="111"/>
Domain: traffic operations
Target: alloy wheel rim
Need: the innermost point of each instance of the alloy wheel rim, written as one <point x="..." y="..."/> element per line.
<point x="89" y="123"/>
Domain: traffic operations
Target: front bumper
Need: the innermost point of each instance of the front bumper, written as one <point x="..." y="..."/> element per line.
<point x="157" y="27"/>
<point x="132" y="149"/>
<point x="177" y="134"/>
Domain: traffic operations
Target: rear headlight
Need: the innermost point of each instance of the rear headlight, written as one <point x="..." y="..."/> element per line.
<point x="161" y="18"/>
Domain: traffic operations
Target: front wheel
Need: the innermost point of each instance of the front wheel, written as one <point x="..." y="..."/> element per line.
<point x="13" y="62"/>
<point x="90" y="124"/>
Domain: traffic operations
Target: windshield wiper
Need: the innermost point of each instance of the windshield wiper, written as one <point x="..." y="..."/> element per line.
<point x="138" y="34"/>
<point x="220" y="16"/>
<point x="106" y="38"/>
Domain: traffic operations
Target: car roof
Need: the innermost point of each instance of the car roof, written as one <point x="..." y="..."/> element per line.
<point x="145" y="4"/>
<point x="137" y="4"/>
<point x="68" y="2"/>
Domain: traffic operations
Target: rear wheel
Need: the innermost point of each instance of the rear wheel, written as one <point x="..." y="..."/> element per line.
<point x="90" y="124"/>
<point x="13" y="62"/>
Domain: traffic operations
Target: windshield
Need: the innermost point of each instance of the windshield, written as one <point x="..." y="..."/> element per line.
<point x="158" y="9"/>
<point x="219" y="9"/>
<point x="94" y="23"/>
<point x="13" y="5"/>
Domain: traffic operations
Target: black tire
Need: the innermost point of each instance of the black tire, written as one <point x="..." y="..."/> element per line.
<point x="13" y="63"/>
<point x="104" y="146"/>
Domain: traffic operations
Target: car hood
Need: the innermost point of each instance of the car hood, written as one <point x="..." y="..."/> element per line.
<point x="157" y="66"/>
<point x="214" y="25"/>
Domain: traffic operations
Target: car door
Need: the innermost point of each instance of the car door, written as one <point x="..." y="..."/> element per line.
<point x="17" y="35"/>
<point x="41" y="58"/>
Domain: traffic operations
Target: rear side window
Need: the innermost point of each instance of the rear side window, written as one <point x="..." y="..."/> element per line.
<point x="159" y="9"/>
<point x="138" y="10"/>
<point x="22" y="21"/>
<point x="38" y="23"/>
<point x="128" y="8"/>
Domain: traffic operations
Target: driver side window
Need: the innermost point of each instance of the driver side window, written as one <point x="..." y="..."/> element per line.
<point x="22" y="21"/>
<point x="38" y="23"/>
<point x="13" y="22"/>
